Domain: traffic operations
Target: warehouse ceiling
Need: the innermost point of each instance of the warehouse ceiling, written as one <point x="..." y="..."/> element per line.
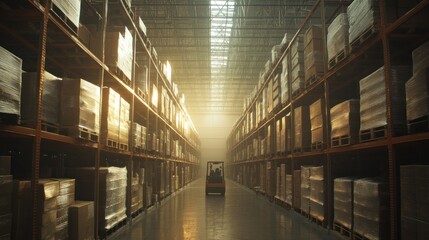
<point x="218" y="47"/>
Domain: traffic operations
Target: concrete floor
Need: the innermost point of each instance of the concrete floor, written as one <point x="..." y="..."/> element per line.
<point x="240" y="215"/>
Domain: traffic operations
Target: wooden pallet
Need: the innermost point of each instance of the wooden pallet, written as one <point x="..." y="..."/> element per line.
<point x="141" y="93"/>
<point x="317" y="146"/>
<point x="116" y="227"/>
<point x="357" y="236"/>
<point x="137" y="213"/>
<point x="420" y="124"/>
<point x="79" y="132"/>
<point x="121" y="75"/>
<point x="50" y="127"/>
<point x="112" y="143"/>
<point x="304" y="213"/>
<point x="123" y="146"/>
<point x="319" y="222"/>
<point x="364" y="36"/>
<point x="339" y="57"/>
<point x="8" y="118"/>
<point x="300" y="150"/>
<point x="312" y="79"/>
<point x="342" y="141"/>
<point x="342" y="230"/>
<point x="373" y="134"/>
<point x="67" y="22"/>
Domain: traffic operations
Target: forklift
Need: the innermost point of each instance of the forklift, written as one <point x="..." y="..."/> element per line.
<point x="215" y="177"/>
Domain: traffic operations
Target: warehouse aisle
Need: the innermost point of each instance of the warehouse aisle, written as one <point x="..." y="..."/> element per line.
<point x="241" y="214"/>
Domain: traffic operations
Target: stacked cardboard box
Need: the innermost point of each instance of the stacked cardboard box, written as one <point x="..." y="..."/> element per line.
<point x="288" y="190"/>
<point x="317" y="195"/>
<point x="297" y="65"/>
<point x="288" y="133"/>
<point x="124" y="122"/>
<point x="71" y="9"/>
<point x="417" y="88"/>
<point x="284" y="80"/>
<point x="276" y="91"/>
<point x="370" y="208"/>
<point x="10" y="82"/>
<point x="363" y="14"/>
<point x="119" y="50"/>
<point x="21" y="209"/>
<point x="316" y="120"/>
<point x="343" y="202"/>
<point x="305" y="188"/>
<point x="345" y="119"/>
<point x="6" y="187"/>
<point x="373" y="99"/>
<point x="81" y="220"/>
<point x="50" y="98"/>
<point x="279" y="130"/>
<point x="313" y="52"/>
<point x="112" y="192"/>
<point x="48" y="191"/>
<point x="111" y="112"/>
<point x="80" y="104"/>
<point x="414" y="201"/>
<point x="338" y="36"/>
<point x="302" y="131"/>
<point x="65" y="198"/>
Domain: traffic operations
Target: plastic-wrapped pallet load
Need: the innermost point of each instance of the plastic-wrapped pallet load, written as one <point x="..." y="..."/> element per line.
<point x="137" y="136"/>
<point x="345" y="120"/>
<point x="370" y="208"/>
<point x="10" y="82"/>
<point x="313" y="53"/>
<point x="6" y="188"/>
<point x="110" y="132"/>
<point x="71" y="9"/>
<point x="50" y="99"/>
<point x="81" y="220"/>
<point x="80" y="104"/>
<point x="283" y="182"/>
<point x="288" y="133"/>
<point x="112" y="193"/>
<point x="65" y="198"/>
<point x="284" y="80"/>
<point x="317" y="196"/>
<point x="338" y="36"/>
<point x="363" y="14"/>
<point x="276" y="91"/>
<point x="288" y="189"/>
<point x="297" y="65"/>
<point x="124" y="123"/>
<point x="417" y="88"/>
<point x="301" y="128"/>
<point x="316" y="120"/>
<point x="119" y="50"/>
<point x="136" y="193"/>
<point x="296" y="178"/>
<point x="48" y="191"/>
<point x="414" y="181"/>
<point x="276" y="53"/>
<point x="343" y="202"/>
<point x="373" y="99"/>
<point x="305" y="188"/>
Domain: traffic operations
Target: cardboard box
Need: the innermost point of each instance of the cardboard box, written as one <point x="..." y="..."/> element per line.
<point x="81" y="220"/>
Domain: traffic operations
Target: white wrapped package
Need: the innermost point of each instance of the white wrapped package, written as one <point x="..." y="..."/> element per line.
<point x="338" y="35"/>
<point x="345" y="119"/>
<point x="362" y="15"/>
<point x="70" y="8"/>
<point x="417" y="95"/>
<point x="10" y="82"/>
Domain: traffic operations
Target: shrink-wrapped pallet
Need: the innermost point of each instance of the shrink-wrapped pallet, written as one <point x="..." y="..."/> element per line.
<point x="296" y="189"/>
<point x="119" y="50"/>
<point x="10" y="82"/>
<point x="136" y="193"/>
<point x="48" y="191"/>
<point x="288" y="133"/>
<point x="345" y="119"/>
<point x="316" y="120"/>
<point x="65" y="198"/>
<point x="363" y="14"/>
<point x="414" y="180"/>
<point x="275" y="53"/>
<point x="284" y="80"/>
<point x="302" y="133"/>
<point x="111" y="112"/>
<point x="297" y="65"/>
<point x="373" y="99"/>
<point x="420" y="57"/>
<point x="370" y="208"/>
<point x="288" y="189"/>
<point x="317" y="193"/>
<point x="343" y="202"/>
<point x="124" y="122"/>
<point x="137" y="136"/>
<point x="276" y="91"/>
<point x="80" y="104"/>
<point x="70" y="8"/>
<point x="338" y="35"/>
<point x="112" y="193"/>
<point x="305" y="188"/>
<point x="313" y="52"/>
<point x="50" y="98"/>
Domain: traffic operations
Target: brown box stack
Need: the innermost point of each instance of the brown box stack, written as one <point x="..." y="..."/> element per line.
<point x="6" y="187"/>
<point x="305" y="188"/>
<point x="297" y="189"/>
<point x="345" y="120"/>
<point x="297" y="65"/>
<point x="48" y="191"/>
<point x="317" y="193"/>
<point x="414" y="204"/>
<point x="316" y="119"/>
<point x="343" y="202"/>
<point x="302" y="131"/>
<point x="65" y="198"/>
<point x="313" y="52"/>
<point x="124" y="122"/>
<point x="119" y="50"/>
<point x="111" y="112"/>
<point x="81" y="220"/>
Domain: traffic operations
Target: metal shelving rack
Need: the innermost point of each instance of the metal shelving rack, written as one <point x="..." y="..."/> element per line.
<point x="400" y="31"/>
<point x="32" y="31"/>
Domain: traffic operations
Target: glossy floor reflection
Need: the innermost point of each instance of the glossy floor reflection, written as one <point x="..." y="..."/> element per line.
<point x="240" y="215"/>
